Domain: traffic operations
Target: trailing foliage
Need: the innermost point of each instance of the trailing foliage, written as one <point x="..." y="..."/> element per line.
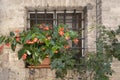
<point x="43" y="40"/>
<point x="108" y="47"/>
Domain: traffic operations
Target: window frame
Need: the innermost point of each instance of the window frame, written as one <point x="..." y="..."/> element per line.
<point x="55" y="12"/>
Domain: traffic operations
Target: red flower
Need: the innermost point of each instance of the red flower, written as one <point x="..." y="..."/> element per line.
<point x="61" y="33"/>
<point x="61" y="29"/>
<point x="35" y="40"/>
<point x="67" y="46"/>
<point x="17" y="39"/>
<point x="46" y="28"/>
<point x="24" y="56"/>
<point x="29" y="42"/>
<point x="7" y="44"/>
<point x="76" y="41"/>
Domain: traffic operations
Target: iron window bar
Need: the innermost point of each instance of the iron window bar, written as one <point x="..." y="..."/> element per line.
<point x="36" y="17"/>
<point x="55" y="17"/>
<point x="74" y="18"/>
<point x="45" y="15"/>
<point x="64" y="16"/>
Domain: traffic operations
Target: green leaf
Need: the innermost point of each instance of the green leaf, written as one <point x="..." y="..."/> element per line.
<point x="2" y="38"/>
<point x="36" y="54"/>
<point x="54" y="48"/>
<point x="8" y="39"/>
<point x="52" y="42"/>
<point x="13" y="45"/>
<point x="51" y="54"/>
<point x="12" y="34"/>
<point x="27" y="37"/>
<point x="72" y="34"/>
<point x="47" y="42"/>
<point x="20" y="53"/>
<point x="40" y="60"/>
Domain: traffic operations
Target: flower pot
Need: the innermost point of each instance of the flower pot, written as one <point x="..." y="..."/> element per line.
<point x="45" y="64"/>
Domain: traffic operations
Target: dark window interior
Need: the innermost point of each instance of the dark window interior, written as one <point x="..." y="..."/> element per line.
<point x="41" y="18"/>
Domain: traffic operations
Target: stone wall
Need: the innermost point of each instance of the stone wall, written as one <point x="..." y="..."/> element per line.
<point x="13" y="15"/>
<point x="111" y="19"/>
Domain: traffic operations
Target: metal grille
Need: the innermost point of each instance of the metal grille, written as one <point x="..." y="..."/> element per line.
<point x="75" y="19"/>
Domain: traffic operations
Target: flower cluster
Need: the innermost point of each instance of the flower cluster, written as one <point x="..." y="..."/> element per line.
<point x="41" y="41"/>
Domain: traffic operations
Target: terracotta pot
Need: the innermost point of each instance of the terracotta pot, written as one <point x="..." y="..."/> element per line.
<point x="45" y="64"/>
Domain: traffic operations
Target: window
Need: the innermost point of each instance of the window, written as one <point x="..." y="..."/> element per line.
<point x="73" y="18"/>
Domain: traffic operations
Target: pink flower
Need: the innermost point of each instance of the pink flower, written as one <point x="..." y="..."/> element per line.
<point x="76" y="41"/>
<point x="67" y="46"/>
<point x="17" y="39"/>
<point x="61" y="33"/>
<point x="46" y="28"/>
<point x="7" y="44"/>
<point x="24" y="56"/>
<point x="29" y="42"/>
<point x="35" y="40"/>
<point x="61" y="29"/>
